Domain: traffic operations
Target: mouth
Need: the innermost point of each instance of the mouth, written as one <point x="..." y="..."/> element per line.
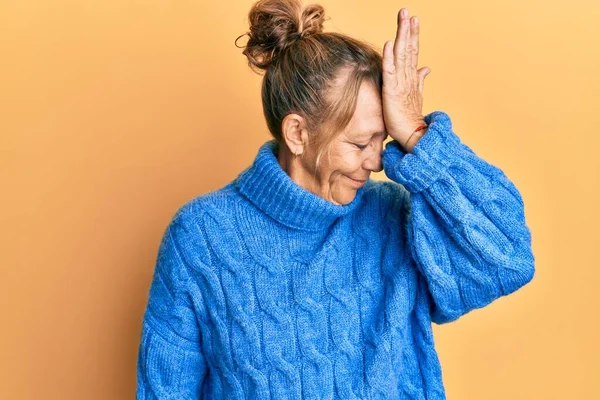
<point x="357" y="181"/>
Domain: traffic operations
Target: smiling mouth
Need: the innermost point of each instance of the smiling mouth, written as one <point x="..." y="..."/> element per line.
<point x="356" y="180"/>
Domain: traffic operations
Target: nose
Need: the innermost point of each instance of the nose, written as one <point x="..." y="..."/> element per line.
<point x="373" y="161"/>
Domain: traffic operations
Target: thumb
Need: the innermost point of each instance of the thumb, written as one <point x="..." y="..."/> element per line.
<point x="423" y="72"/>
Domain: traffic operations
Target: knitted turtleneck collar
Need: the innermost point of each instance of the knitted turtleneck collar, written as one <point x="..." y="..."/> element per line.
<point x="272" y="190"/>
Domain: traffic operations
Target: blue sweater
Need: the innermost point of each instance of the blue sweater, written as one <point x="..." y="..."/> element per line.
<point x="264" y="290"/>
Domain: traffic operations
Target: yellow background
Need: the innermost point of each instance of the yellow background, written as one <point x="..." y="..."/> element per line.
<point x="113" y="113"/>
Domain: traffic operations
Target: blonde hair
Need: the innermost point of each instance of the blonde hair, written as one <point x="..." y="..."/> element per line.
<point x="301" y="64"/>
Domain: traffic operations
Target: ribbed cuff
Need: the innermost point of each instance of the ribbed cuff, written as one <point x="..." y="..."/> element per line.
<point x="430" y="158"/>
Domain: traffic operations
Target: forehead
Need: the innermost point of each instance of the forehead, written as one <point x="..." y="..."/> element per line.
<point x="367" y="118"/>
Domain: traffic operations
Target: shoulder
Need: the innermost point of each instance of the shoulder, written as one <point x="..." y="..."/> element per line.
<point x="217" y="203"/>
<point x="208" y="223"/>
<point x="188" y="222"/>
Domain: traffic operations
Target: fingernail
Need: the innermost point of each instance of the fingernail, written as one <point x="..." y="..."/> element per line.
<point x="404" y="12"/>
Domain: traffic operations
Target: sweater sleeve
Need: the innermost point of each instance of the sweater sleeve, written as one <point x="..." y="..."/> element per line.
<point x="171" y="364"/>
<point x="465" y="222"/>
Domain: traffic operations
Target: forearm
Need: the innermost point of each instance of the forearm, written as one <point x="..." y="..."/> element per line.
<point x="466" y="224"/>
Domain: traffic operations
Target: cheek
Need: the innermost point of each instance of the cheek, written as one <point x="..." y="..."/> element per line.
<point x="346" y="161"/>
<point x="343" y="166"/>
<point x="351" y="162"/>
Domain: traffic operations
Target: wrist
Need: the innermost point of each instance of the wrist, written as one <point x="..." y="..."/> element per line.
<point x="412" y="142"/>
<point x="415" y="136"/>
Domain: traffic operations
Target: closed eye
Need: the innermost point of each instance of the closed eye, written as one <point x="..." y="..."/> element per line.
<point x="361" y="146"/>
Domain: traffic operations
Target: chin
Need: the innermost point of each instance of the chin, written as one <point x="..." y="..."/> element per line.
<point x="345" y="198"/>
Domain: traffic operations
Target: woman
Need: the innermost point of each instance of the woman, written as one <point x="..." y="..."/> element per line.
<point x="303" y="278"/>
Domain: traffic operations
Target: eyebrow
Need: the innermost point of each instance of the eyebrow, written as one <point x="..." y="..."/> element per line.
<point x="380" y="133"/>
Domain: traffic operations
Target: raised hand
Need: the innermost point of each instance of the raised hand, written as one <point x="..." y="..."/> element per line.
<point x="402" y="94"/>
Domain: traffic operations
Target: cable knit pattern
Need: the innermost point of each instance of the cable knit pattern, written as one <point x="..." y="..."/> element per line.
<point x="264" y="290"/>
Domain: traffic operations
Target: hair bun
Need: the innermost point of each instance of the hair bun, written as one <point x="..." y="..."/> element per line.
<point x="275" y="25"/>
<point x="311" y="20"/>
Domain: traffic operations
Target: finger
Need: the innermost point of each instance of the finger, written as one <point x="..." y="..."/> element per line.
<point x="402" y="36"/>
<point x="413" y="46"/>
<point x="389" y="68"/>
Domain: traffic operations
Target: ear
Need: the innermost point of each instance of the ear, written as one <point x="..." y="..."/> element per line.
<point x="295" y="135"/>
